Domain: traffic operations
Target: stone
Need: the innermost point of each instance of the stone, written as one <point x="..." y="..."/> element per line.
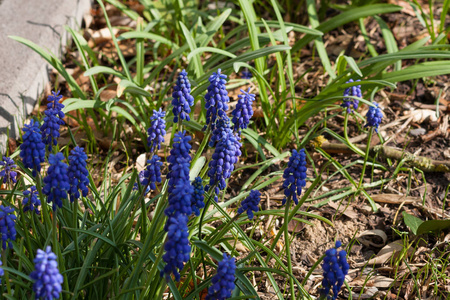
<point x="23" y="73"/>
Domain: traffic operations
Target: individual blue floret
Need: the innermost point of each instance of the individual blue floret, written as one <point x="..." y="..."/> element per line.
<point x="222" y="163"/>
<point x="31" y="201"/>
<point x="243" y="111"/>
<point x="198" y="196"/>
<point x="180" y="189"/>
<point x="223" y="282"/>
<point x="56" y="183"/>
<point x="157" y="130"/>
<point x="295" y="175"/>
<point x="177" y="246"/>
<point x="351" y="91"/>
<point x="8" y="175"/>
<point x="182" y="98"/>
<point x="216" y="99"/>
<point x="32" y="150"/>
<point x="374" y="116"/>
<point x="46" y="276"/>
<point x="250" y="204"/>
<point x="152" y="174"/>
<point x="7" y="226"/>
<point x="53" y="120"/>
<point x="78" y="173"/>
<point x="335" y="267"/>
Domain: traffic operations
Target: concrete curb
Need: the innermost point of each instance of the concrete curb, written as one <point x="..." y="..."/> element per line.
<point x="23" y="73"/>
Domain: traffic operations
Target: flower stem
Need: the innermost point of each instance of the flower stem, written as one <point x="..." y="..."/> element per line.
<point x="350" y="144"/>
<point x="366" y="156"/>
<point x="288" y="250"/>
<point x="5" y="262"/>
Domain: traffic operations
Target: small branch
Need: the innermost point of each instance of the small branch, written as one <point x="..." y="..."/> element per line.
<point x="423" y="163"/>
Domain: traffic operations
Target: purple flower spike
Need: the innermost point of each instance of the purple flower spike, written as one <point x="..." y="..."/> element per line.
<point x="243" y="111"/>
<point x="335" y="267"/>
<point x="250" y="204"/>
<point x="46" y="276"/>
<point x="7" y="226"/>
<point x="223" y="282"/>
<point x="157" y="130"/>
<point x="351" y="91"/>
<point x="56" y="183"/>
<point x="78" y="174"/>
<point x="53" y="120"/>
<point x="7" y="174"/>
<point x="32" y="150"/>
<point x="152" y="173"/>
<point x="177" y="246"/>
<point x="31" y="201"/>
<point x="374" y="116"/>
<point x="294" y="175"/>
<point x="246" y="74"/>
<point x="182" y="98"/>
<point x="198" y="196"/>
<point x="216" y="99"/>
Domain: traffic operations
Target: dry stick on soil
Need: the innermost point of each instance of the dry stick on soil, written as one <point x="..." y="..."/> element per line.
<point x="423" y="163"/>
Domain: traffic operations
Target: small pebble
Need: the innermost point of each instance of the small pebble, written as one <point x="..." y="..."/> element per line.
<point x="417" y="132"/>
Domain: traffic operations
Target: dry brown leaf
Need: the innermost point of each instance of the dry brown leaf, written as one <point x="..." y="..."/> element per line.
<point x="385" y="254"/>
<point x="364" y="238"/>
<point x="395" y="199"/>
<point x="346" y="210"/>
<point x="421" y="115"/>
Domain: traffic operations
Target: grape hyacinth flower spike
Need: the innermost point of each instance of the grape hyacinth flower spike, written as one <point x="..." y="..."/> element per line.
<point x="223" y="282"/>
<point x="335" y="267"/>
<point x="177" y="246"/>
<point x="198" y="196"/>
<point x="250" y="204"/>
<point x="8" y="175"/>
<point x="7" y="226"/>
<point x="351" y="91"/>
<point x="32" y="150"/>
<point x="157" y="130"/>
<point x="31" y="201"/>
<point x="374" y="116"/>
<point x="46" y="276"/>
<point x="216" y="99"/>
<point x="78" y="174"/>
<point x="243" y="111"/>
<point x="246" y="74"/>
<point x="152" y="174"/>
<point x="294" y="175"/>
<point x="53" y="120"/>
<point x="182" y="98"/>
<point x="141" y="178"/>
<point x="56" y="183"/>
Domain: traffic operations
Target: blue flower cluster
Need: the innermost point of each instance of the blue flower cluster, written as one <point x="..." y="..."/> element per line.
<point x="223" y="282"/>
<point x="216" y="99"/>
<point x="32" y="150"/>
<point x="246" y="74"/>
<point x="78" y="174"/>
<point x="31" y="201"/>
<point x="182" y="98"/>
<point x="374" y="116"/>
<point x="56" y="183"/>
<point x="351" y="91"/>
<point x="141" y="178"/>
<point x="222" y="163"/>
<point x="221" y="130"/>
<point x="53" y="120"/>
<point x="157" y="130"/>
<point x="250" y="204"/>
<point x="295" y="175"/>
<point x="243" y="111"/>
<point x="46" y="276"/>
<point x="335" y="267"/>
<point x="152" y="173"/>
<point x="198" y="197"/>
<point x="177" y="246"/>
<point x="8" y="175"/>
<point x="180" y="189"/>
<point x="7" y="226"/>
